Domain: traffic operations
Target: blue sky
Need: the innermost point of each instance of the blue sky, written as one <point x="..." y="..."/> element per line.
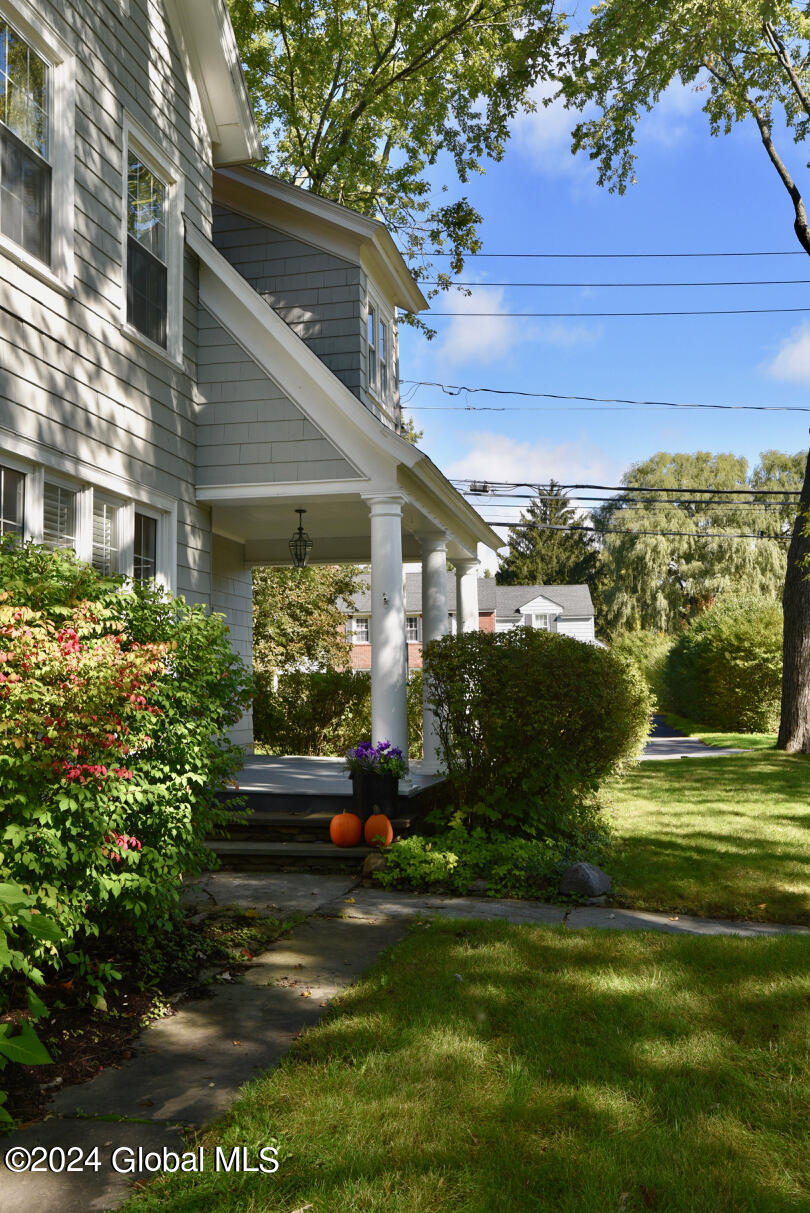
<point x="694" y="194"/>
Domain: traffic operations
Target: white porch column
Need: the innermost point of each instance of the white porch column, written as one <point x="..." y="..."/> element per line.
<point x="466" y="595"/>
<point x="389" y="654"/>
<point x="434" y="625"/>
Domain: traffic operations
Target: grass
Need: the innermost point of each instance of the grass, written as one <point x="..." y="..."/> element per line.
<point x="743" y="741"/>
<point x="725" y="837"/>
<point x="486" y="1067"/>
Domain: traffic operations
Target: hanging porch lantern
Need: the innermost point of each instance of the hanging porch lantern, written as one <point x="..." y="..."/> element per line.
<point x="300" y="544"/>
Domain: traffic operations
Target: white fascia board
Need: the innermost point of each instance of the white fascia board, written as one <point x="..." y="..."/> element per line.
<point x="542" y="604"/>
<point x="450" y="509"/>
<point x="327" y="225"/>
<point x="374" y="451"/>
<point x="204" y="31"/>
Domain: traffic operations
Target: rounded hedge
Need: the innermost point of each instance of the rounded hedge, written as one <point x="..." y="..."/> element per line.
<point x="725" y="670"/>
<point x="531" y="723"/>
<point x="648" y="651"/>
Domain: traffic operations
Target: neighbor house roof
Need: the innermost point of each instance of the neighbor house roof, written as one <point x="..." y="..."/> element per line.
<point x="575" y="600"/>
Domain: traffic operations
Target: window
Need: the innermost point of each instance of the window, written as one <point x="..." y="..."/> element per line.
<point x="383" y="355"/>
<point x="59" y="517"/>
<point x="25" y="169"/>
<point x="362" y="633"/>
<point x="412" y="627"/>
<point x="147" y="274"/>
<point x="372" y="348"/>
<point x="105" y="536"/>
<point x="12" y="501"/>
<point x="145" y="551"/>
<point x="542" y="621"/>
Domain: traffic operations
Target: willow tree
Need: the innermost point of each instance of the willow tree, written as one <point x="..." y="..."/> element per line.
<point x="357" y="101"/>
<point x="750" y="60"/>
<point x="667" y="555"/>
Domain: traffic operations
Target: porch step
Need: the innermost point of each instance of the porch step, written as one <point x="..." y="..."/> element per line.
<point x="309" y="856"/>
<point x="305" y="827"/>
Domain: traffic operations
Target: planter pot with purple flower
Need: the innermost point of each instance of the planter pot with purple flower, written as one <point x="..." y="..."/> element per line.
<point x="375" y="772"/>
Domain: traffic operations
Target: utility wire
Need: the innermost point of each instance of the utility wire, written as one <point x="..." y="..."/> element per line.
<point x="732" y="311"/>
<point x="595" y="530"/>
<point x="452" y="389"/>
<point x="611" y="285"/>
<point x="620" y="256"/>
<point x="478" y="487"/>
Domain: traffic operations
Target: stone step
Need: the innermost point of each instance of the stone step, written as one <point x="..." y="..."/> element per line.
<point x="309" y="856"/>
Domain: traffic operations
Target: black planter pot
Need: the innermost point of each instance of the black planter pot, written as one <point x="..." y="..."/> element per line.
<point x="374" y="793"/>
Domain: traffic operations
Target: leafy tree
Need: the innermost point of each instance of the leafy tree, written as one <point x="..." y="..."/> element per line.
<point x="655" y="581"/>
<point x="541" y="555"/>
<point x="751" y="59"/>
<point x="297" y="622"/>
<point x="357" y="101"/>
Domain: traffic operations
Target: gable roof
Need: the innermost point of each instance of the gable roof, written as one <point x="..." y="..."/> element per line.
<point x="326" y="224"/>
<point x="205" y="36"/>
<point x="504" y="600"/>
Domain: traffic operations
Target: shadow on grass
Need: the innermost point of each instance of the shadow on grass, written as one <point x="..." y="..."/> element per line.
<point x="484" y="1067"/>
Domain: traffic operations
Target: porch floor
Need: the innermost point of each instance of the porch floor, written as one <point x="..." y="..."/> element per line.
<point x="293" y="775"/>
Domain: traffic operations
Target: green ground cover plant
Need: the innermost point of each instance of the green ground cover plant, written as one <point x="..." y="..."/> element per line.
<point x="724" y="837"/>
<point x="484" y="1066"/>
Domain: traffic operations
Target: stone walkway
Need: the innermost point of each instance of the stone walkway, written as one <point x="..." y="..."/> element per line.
<point x="665" y="742"/>
<point x="188" y="1067"/>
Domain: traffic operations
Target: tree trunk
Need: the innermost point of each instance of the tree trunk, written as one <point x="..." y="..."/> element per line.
<point x="794" y="727"/>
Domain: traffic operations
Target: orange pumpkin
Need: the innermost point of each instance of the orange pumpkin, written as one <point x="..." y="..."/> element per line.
<point x="345" y="830"/>
<point x="379" y="827"/>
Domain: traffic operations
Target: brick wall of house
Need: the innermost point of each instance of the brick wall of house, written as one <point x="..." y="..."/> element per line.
<point x="486" y="623"/>
<point x="361" y="656"/>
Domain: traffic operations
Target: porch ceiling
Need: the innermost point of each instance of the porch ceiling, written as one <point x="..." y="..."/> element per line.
<point x="339" y="525"/>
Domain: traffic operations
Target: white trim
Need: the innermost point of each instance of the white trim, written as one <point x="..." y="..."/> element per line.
<point x="541" y="605"/>
<point x="281" y="488"/>
<point x="62" y="138"/>
<point x="167" y="170"/>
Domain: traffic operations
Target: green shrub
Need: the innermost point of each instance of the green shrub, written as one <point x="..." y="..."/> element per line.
<point x="512" y="867"/>
<point x="725" y="670"/>
<point x="324" y="712"/>
<point x="530" y="724"/>
<point x="648" y="651"/>
<point x="114" y="711"/>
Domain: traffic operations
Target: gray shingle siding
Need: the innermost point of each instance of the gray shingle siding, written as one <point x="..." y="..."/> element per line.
<point x="248" y="430"/>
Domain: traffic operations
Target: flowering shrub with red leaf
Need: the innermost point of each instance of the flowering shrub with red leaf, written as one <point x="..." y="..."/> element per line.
<point x="115" y="703"/>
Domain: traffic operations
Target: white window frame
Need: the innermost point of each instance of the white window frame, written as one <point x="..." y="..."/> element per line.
<point x="372" y="320"/>
<point x="137" y="140"/>
<point x="76" y="476"/>
<point x="356" y="638"/>
<point x="413" y="639"/>
<point x="43" y="38"/>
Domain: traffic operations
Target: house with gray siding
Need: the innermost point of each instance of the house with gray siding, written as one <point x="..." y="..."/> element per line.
<point x="190" y="350"/>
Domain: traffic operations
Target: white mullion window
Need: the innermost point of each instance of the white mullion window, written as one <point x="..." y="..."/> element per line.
<point x="145" y="551"/>
<point x="106" y="535"/>
<point x="152" y="244"/>
<point x="60" y="516"/>
<point x="372" y="348"/>
<point x="12" y="501"/>
<point x="383" y="357"/>
<point x="361" y="629"/>
<point x="412" y="628"/>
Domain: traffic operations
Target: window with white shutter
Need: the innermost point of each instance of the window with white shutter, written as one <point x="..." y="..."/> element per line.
<point x="59" y="517"/>
<point x="105" y="536"/>
<point x="12" y="501"/>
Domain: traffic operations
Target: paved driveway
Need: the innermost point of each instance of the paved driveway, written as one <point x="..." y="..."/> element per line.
<point x="666" y="742"/>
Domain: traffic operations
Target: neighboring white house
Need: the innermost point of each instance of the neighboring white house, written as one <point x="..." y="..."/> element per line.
<point x="190" y="350"/>
<point x="567" y="609"/>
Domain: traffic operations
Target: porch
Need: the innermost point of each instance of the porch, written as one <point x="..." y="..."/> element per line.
<point x="290" y="801"/>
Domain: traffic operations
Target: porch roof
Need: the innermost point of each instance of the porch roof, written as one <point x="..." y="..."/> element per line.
<point x="379" y="462"/>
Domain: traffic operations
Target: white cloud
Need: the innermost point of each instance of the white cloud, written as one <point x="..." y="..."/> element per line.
<point x="544" y="137"/>
<point x="499" y="457"/>
<point x="669" y="121"/>
<point x="792" y="361"/>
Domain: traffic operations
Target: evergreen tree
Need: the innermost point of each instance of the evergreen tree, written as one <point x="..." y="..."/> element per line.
<point x="540" y="554"/>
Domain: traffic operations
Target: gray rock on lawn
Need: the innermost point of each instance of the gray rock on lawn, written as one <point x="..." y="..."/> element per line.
<point x="585" y="879"/>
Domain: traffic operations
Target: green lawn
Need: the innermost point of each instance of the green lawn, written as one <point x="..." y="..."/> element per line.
<point x="487" y="1068"/>
<point x="745" y="741"/>
<point x="718" y="836"/>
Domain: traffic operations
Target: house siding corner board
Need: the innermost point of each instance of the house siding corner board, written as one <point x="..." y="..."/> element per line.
<point x="318" y="294"/>
<point x="79" y="395"/>
<point x="249" y="431"/>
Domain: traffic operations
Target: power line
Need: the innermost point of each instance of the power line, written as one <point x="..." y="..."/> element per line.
<point x="502" y="488"/>
<point x="620" y="256"/>
<point x="732" y="311"/>
<point x="451" y="389"/>
<point x="546" y="526"/>
<point x="612" y="285"/>
<point x="637" y="504"/>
